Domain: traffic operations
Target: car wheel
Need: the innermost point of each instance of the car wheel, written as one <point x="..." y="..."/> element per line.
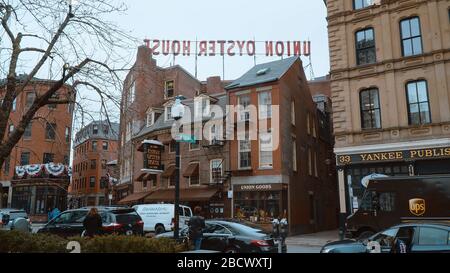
<point x="159" y="229"/>
<point x="231" y="250"/>
<point x="365" y="234"/>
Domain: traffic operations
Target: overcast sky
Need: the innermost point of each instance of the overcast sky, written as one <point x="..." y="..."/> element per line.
<point x="286" y="20"/>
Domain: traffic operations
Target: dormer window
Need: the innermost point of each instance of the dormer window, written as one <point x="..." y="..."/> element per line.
<point x="95" y="129"/>
<point x="202" y="107"/>
<point x="168" y="113"/>
<point x="169" y="89"/>
<point x="150" y="118"/>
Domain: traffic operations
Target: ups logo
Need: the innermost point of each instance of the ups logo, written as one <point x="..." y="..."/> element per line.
<point x="417" y="206"/>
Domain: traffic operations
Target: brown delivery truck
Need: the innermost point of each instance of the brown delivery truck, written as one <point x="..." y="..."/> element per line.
<point x="393" y="200"/>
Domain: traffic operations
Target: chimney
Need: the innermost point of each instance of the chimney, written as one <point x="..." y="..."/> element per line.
<point x="214" y="85"/>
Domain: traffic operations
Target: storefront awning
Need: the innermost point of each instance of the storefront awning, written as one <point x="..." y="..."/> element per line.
<point x="185" y="195"/>
<point x="169" y="172"/>
<point x="191" y="170"/>
<point x="134" y="197"/>
<point x="141" y="177"/>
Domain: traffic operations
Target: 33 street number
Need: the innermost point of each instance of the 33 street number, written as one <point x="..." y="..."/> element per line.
<point x="345" y="159"/>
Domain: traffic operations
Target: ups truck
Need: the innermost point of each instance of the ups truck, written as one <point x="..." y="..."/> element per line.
<point x="394" y="200"/>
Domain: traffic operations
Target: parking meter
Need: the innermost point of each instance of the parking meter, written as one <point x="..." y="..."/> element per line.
<point x="276" y="228"/>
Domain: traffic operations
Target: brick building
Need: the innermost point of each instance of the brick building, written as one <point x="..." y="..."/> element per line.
<point x="95" y="146"/>
<point x="286" y="169"/>
<point x="390" y="78"/>
<point x="46" y="140"/>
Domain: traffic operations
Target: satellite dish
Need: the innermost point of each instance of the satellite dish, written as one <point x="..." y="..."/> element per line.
<point x="365" y="180"/>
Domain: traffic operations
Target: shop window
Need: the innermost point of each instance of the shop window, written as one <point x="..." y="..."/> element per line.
<point x="411" y="36"/>
<point x="370" y="109"/>
<point x="50" y="131"/>
<point x="418" y="103"/>
<point x="365" y="46"/>
<point x="169" y="89"/>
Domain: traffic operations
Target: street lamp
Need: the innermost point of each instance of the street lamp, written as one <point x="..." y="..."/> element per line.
<point x="177" y="113"/>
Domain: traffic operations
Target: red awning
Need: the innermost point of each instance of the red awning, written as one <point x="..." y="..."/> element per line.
<point x="169" y="172"/>
<point x="202" y="194"/>
<point x="135" y="197"/>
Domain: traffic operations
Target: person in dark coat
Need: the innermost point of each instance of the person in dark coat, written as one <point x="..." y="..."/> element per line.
<point x="92" y="223"/>
<point x="196" y="226"/>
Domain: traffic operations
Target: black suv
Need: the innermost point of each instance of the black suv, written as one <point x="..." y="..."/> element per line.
<point x="116" y="220"/>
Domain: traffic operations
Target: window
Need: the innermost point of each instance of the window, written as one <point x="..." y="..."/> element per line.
<point x="365" y="47"/>
<point x="25" y="158"/>
<point x="418" y="104"/>
<point x="144" y="184"/>
<point x="95" y="129"/>
<point x="293" y="112"/>
<point x="265" y="150"/>
<point x="411" y="36"/>
<point x="265" y="104"/>
<point x="433" y="236"/>
<point x="169" y="113"/>
<point x="48" y="158"/>
<point x="169" y="89"/>
<point x="7" y="165"/>
<point x="150" y="118"/>
<point x="93" y="164"/>
<point x="245" y="152"/>
<point x="131" y="93"/>
<point x="94" y="145"/>
<point x="50" y="131"/>
<point x="105" y="129"/>
<point x="172" y="146"/>
<point x="387" y="237"/>
<point x="310" y="172"/>
<point x="67" y="134"/>
<point x="386" y="201"/>
<point x="244" y="102"/>
<point x="294" y="153"/>
<point x="308" y="123"/>
<point x="66" y="160"/>
<point x="370" y="109"/>
<point x="30" y="96"/>
<point x="105" y="145"/>
<point x="360" y="4"/>
<point x="92" y="182"/>
<point x="213" y="134"/>
<point x="316" y="173"/>
<point x="314" y="132"/>
<point x="216" y="170"/>
<point x="11" y="128"/>
<point x="104" y="164"/>
<point x="194" y="146"/>
<point x="171" y="181"/>
<point x="14" y="105"/>
<point x="27" y="133"/>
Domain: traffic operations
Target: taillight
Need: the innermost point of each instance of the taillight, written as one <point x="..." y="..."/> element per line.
<point x="112" y="226"/>
<point x="259" y="243"/>
<point x="141" y="223"/>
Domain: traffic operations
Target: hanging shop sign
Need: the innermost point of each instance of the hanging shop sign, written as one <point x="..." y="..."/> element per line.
<point x="419" y="154"/>
<point x="229" y="48"/>
<point x="152" y="155"/>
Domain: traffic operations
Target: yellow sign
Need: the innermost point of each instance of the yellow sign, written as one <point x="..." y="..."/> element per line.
<point x="417" y="206"/>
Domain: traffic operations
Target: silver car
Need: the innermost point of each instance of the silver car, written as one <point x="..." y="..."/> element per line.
<point x="11" y="219"/>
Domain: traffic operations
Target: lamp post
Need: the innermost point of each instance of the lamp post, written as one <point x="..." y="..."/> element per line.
<point x="177" y="113"/>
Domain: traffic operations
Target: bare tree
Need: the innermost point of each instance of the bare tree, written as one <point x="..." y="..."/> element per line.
<point x="72" y="45"/>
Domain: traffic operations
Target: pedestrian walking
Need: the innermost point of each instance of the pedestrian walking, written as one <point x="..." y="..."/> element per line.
<point x="196" y="226"/>
<point x="92" y="223"/>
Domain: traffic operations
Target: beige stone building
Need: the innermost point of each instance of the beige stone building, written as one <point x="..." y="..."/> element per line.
<point x="390" y="73"/>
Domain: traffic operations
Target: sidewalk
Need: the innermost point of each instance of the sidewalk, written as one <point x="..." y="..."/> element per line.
<point x="315" y="239"/>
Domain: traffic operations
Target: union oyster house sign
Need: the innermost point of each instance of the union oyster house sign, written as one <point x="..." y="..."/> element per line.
<point x="152" y="156"/>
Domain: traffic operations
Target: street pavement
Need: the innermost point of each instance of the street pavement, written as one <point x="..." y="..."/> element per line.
<point x="310" y="243"/>
<point x="302" y="249"/>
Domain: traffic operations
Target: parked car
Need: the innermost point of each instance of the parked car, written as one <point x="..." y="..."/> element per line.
<point x="418" y="237"/>
<point x="232" y="237"/>
<point x="116" y="220"/>
<point x="159" y="218"/>
<point x="393" y="200"/>
<point x="8" y="216"/>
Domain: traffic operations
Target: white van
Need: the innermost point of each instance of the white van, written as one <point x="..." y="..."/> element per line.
<point x="158" y="217"/>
